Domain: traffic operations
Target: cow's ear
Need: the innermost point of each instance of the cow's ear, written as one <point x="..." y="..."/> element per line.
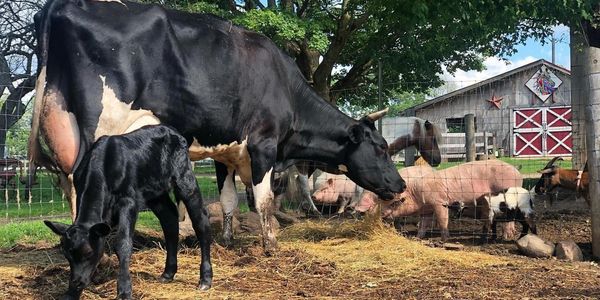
<point x="58" y="228"/>
<point x="100" y="230"/>
<point x="356" y="134"/>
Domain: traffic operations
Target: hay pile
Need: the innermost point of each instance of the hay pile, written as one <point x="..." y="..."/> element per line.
<point x="330" y="259"/>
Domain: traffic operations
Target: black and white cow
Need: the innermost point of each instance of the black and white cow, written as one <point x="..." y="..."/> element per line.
<point x="109" y="67"/>
<point x="115" y="178"/>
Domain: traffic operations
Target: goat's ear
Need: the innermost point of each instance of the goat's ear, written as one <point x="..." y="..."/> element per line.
<point x="100" y="229"/>
<point x="546" y="171"/>
<point x="58" y="228"/>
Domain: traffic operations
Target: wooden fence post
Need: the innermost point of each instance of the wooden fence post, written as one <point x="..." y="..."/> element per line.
<point x="591" y="87"/>
<point x="470" y="136"/>
<point x="578" y="96"/>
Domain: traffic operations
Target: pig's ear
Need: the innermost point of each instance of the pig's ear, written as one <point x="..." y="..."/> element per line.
<point x="330" y="181"/>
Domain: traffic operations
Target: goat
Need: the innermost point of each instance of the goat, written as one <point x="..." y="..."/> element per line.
<point x="554" y="176"/>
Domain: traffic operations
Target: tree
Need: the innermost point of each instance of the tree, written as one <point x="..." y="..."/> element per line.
<point x="17" y="61"/>
<point x="413" y="39"/>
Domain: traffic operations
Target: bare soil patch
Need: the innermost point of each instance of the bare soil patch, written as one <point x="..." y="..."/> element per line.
<point x="331" y="259"/>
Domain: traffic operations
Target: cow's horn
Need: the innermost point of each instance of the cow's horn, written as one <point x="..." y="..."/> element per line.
<point x="377" y="115"/>
<point x="552" y="161"/>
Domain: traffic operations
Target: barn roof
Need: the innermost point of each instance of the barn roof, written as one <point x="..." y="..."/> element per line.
<point x="535" y="64"/>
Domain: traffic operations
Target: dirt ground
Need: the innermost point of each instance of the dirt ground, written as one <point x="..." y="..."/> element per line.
<point x="329" y="259"/>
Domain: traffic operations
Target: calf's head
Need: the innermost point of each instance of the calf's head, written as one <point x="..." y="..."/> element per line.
<point x="368" y="161"/>
<point x="82" y="247"/>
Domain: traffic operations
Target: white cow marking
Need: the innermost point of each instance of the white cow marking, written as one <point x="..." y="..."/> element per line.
<point x="234" y="156"/>
<point x="117" y="117"/>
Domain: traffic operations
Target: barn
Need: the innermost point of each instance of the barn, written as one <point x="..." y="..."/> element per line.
<point x="526" y="111"/>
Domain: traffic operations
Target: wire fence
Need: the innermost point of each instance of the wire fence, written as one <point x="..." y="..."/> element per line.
<point x="522" y="117"/>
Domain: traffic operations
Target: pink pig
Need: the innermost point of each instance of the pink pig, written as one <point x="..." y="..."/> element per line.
<point x="429" y="191"/>
<point x="333" y="189"/>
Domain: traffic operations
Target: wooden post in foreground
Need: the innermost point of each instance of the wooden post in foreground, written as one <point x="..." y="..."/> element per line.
<point x="470" y="136"/>
<point x="591" y="88"/>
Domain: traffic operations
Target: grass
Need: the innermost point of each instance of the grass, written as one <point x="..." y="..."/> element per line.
<point x="34" y="232"/>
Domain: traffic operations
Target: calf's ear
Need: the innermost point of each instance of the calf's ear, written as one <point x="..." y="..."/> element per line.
<point x="58" y="228"/>
<point x="100" y="230"/>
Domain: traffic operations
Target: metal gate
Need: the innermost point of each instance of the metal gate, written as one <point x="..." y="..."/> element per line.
<point x="542" y="131"/>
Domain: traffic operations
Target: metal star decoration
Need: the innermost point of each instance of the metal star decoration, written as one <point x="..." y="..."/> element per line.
<point x="496" y="101"/>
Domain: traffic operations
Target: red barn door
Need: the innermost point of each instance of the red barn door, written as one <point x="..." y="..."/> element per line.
<point x="542" y="131"/>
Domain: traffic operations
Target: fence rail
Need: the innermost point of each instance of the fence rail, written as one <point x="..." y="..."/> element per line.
<point x="453" y="145"/>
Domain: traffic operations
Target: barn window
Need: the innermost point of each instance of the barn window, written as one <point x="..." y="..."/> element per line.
<point x="456" y="125"/>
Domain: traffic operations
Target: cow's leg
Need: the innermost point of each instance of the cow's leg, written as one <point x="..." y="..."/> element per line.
<point x="187" y="191"/>
<point x="65" y="181"/>
<point x="123" y="246"/>
<point x="228" y="197"/>
<point x="494" y="230"/>
<point x="166" y="212"/>
<point x="441" y="216"/>
<point x="262" y="156"/>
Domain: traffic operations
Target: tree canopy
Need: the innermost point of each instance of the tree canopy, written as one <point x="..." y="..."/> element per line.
<point x="337" y="44"/>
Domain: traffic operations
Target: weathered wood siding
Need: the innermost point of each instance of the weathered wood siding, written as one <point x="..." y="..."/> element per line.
<point x="489" y="118"/>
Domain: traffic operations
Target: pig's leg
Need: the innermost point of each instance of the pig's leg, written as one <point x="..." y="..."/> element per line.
<point x="343" y="203"/>
<point x="425" y="223"/>
<point x="441" y="215"/>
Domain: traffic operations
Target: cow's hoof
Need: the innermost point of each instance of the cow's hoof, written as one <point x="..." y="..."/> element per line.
<point x="270" y="248"/>
<point x="166" y="278"/>
<point x="204" y="287"/>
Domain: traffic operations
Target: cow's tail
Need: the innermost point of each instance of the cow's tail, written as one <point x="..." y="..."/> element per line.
<point x="35" y="154"/>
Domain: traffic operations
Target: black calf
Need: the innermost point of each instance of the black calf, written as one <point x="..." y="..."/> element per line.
<point x="117" y="176"/>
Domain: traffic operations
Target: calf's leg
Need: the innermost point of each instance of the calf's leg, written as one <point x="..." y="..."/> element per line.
<point x="187" y="190"/>
<point x="166" y="212"/>
<point x="124" y="243"/>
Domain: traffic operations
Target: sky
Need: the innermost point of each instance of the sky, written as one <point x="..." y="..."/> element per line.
<point x="531" y="51"/>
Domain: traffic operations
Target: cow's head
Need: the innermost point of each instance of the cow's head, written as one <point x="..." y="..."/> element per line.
<point x="549" y="179"/>
<point x="368" y="161"/>
<point x="82" y="247"/>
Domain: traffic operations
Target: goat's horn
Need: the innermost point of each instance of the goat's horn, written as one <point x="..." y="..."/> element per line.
<point x="377" y="115"/>
<point x="552" y="161"/>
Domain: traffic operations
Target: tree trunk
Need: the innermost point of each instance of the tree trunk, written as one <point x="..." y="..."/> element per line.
<point x="272" y="4"/>
<point x="591" y="93"/>
<point x="12" y="110"/>
<point x="287" y="5"/>
<point x="308" y="61"/>
<point x="577" y="99"/>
